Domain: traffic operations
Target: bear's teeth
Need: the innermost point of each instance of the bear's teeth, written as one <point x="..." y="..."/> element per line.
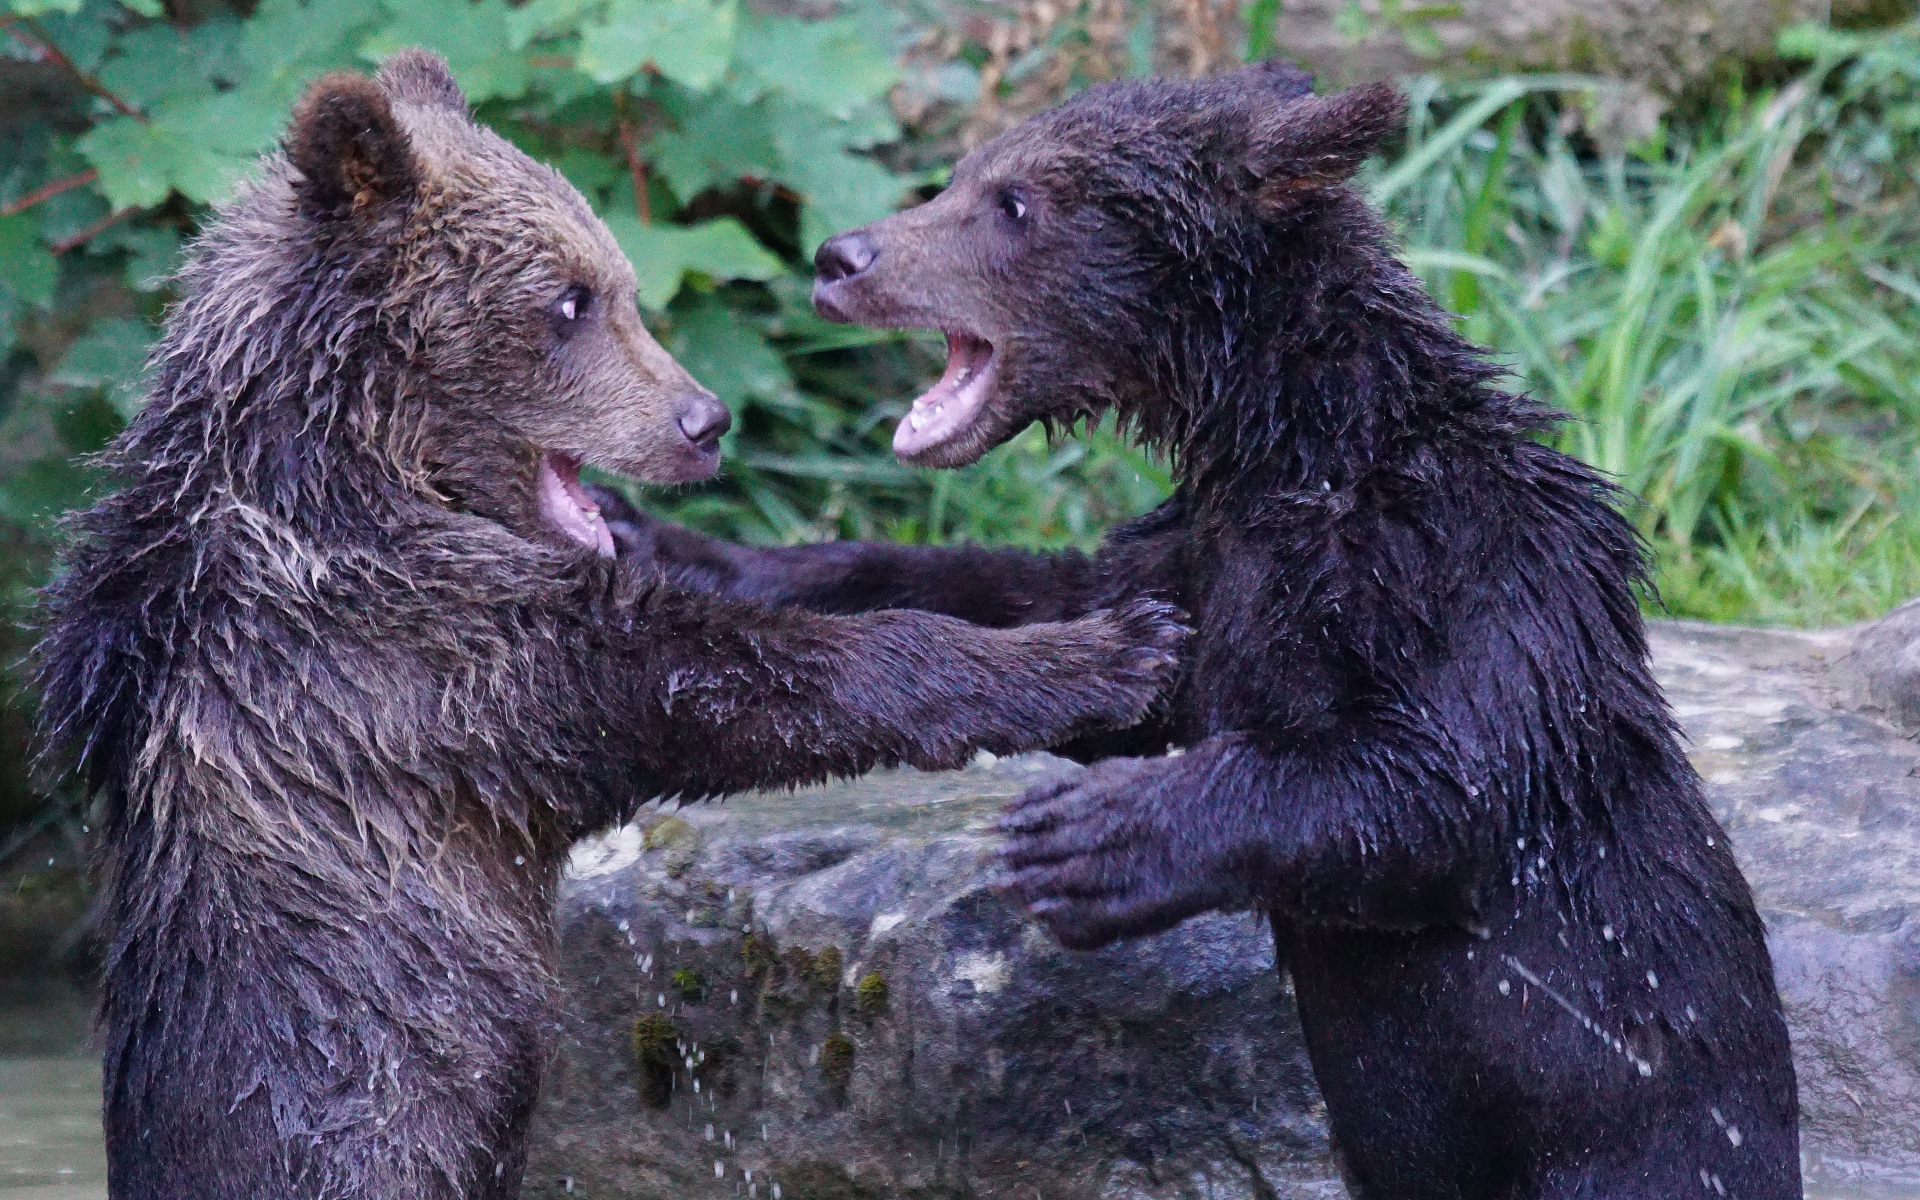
<point x="965" y="374"/>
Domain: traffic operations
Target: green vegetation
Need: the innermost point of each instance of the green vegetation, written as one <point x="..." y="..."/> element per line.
<point x="1727" y="311"/>
<point x="1730" y="308"/>
<point x="689" y="985"/>
<point x="825" y="972"/>
<point x="871" y="995"/>
<point x="836" y="1059"/>
<point x="655" y="1055"/>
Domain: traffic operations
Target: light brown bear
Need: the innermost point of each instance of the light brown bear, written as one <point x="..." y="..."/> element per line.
<point x="351" y="665"/>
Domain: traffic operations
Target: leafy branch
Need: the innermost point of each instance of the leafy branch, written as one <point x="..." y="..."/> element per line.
<point x="45" y="49"/>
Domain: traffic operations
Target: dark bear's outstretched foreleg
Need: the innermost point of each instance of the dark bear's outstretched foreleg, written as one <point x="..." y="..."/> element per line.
<point x="997" y="588"/>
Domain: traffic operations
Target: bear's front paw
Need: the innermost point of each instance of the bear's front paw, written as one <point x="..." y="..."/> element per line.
<point x="1146" y="637"/>
<point x="1111" y="853"/>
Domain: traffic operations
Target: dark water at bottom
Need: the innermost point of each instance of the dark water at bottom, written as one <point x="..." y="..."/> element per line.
<point x="50" y="1147"/>
<point x="49" y="1097"/>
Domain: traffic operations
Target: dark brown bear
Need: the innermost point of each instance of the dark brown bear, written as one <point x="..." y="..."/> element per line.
<point x="1418" y="723"/>
<point x="350" y="665"/>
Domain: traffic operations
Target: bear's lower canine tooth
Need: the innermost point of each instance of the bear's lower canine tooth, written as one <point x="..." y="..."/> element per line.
<point x="965" y="374"/>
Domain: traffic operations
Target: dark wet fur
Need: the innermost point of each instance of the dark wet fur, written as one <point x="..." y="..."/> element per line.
<point x="347" y="701"/>
<point x="1418" y="722"/>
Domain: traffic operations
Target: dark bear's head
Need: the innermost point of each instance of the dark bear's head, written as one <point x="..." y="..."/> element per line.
<point x="1067" y="254"/>
<point x="503" y="299"/>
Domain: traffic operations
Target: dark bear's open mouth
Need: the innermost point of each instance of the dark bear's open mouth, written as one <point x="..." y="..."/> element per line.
<point x="566" y="505"/>
<point x="949" y="407"/>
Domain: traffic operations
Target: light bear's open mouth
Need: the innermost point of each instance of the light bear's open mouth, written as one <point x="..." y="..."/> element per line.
<point x="566" y="505"/>
<point x="952" y="405"/>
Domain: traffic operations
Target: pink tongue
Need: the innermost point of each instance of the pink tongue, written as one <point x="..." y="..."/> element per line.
<point x="565" y="503"/>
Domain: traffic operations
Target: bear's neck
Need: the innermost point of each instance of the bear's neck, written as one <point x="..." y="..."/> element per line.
<point x="1320" y="360"/>
<point x="282" y="407"/>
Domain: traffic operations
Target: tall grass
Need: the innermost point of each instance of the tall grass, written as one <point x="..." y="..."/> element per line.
<point x="1738" y="354"/>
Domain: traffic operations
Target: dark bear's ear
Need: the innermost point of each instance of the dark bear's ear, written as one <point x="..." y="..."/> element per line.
<point x="418" y="76"/>
<point x="1317" y="141"/>
<point x="1280" y="79"/>
<point x="351" y="153"/>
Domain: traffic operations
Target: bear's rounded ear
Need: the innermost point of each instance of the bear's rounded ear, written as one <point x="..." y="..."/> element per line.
<point x="419" y="76"/>
<point x="1279" y="79"/>
<point x="351" y="153"/>
<point x="1315" y="142"/>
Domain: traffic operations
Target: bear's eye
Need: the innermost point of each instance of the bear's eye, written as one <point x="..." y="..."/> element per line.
<point x="1012" y="205"/>
<point x="571" y="307"/>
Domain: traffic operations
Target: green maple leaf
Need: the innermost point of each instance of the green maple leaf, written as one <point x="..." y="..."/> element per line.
<point x="725" y="352"/>
<point x="472" y="37"/>
<point x="662" y="255"/>
<point x="688" y="41"/>
<point x="718" y="142"/>
<point x="27" y="267"/>
<point x="134" y="159"/>
<point x="828" y="64"/>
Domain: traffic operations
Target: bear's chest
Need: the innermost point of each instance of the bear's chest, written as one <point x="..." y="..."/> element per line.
<point x="1260" y="652"/>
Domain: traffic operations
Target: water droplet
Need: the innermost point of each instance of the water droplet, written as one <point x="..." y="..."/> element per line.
<point x="1653" y="981"/>
<point x="709" y="1133"/>
<point x="519" y="860"/>
<point x="1606" y="931"/>
<point x="1506" y="989"/>
<point x="1733" y="1134"/>
<point x="719" y="1169"/>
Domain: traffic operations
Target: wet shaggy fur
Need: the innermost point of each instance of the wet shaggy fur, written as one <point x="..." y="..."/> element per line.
<point x="1417" y="720"/>
<point x="347" y="695"/>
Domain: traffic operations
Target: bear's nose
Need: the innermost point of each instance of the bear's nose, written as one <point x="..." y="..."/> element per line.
<point x="844" y="254"/>
<point x="703" y="419"/>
